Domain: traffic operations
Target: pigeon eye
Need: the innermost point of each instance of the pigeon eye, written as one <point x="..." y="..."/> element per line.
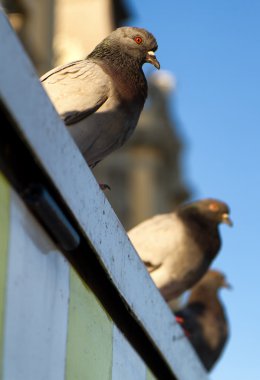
<point x="138" y="40"/>
<point x="213" y="207"/>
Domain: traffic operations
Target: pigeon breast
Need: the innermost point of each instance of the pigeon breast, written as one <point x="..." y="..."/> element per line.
<point x="98" y="116"/>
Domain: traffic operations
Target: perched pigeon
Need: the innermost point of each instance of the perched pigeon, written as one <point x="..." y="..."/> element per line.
<point x="204" y="319"/>
<point x="101" y="97"/>
<point x="177" y="248"/>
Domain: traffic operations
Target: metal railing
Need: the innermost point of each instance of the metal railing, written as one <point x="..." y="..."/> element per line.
<point x="43" y="164"/>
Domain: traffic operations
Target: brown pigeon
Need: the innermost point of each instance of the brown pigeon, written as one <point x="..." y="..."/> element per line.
<point x="204" y="319"/>
<point x="178" y="248"/>
<point x="100" y="98"/>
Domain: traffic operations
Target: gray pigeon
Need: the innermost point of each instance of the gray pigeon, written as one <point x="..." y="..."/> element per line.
<point x="204" y="319"/>
<point x="178" y="248"/>
<point x="101" y="97"/>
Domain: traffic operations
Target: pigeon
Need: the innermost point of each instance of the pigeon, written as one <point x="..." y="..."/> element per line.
<point x="204" y="319"/>
<point x="100" y="98"/>
<point x="178" y="248"/>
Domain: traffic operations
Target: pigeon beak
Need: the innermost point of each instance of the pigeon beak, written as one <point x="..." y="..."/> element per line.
<point x="151" y="58"/>
<point x="226" y="219"/>
<point x="227" y="285"/>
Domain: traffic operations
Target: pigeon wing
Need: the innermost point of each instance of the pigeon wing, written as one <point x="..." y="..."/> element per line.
<point x="77" y="89"/>
<point x="155" y="239"/>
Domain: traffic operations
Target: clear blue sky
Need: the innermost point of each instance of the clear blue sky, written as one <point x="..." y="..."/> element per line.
<point x="213" y="49"/>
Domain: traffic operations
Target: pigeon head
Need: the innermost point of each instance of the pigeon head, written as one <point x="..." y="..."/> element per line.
<point x="214" y="280"/>
<point x="135" y="45"/>
<point x="210" y="210"/>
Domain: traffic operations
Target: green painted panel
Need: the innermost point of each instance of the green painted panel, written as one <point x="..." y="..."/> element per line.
<point x="149" y="375"/>
<point x="4" y="237"/>
<point x="90" y="335"/>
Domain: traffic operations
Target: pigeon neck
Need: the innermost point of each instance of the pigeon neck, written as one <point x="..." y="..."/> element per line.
<point x="204" y="232"/>
<point x="194" y="218"/>
<point x="203" y="299"/>
<point x="203" y="293"/>
<point x="125" y="70"/>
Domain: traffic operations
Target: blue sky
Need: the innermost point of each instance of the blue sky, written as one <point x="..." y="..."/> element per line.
<point x="213" y="49"/>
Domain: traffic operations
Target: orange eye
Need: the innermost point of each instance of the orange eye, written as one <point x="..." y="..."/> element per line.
<point x="138" y="40"/>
